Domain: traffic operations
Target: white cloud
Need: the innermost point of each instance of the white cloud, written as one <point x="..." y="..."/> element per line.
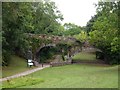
<point x="76" y="11"/>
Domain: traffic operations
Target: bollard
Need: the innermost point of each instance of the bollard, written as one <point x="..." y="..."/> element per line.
<point x="42" y="64"/>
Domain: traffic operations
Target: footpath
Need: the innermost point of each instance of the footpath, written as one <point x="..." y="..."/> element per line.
<point x="24" y="73"/>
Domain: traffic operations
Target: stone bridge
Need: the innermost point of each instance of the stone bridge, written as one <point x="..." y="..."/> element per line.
<point x="54" y="41"/>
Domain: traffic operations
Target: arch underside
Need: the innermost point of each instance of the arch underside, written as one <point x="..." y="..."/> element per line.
<point x="37" y="54"/>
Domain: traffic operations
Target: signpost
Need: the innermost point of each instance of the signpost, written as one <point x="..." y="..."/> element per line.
<point x="29" y="57"/>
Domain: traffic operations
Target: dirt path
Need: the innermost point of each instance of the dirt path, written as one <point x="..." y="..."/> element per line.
<point x="24" y="73"/>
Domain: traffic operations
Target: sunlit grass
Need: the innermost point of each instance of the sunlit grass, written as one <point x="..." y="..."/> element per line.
<point x="84" y="56"/>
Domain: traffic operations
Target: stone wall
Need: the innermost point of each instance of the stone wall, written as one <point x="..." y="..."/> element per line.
<point x="59" y="62"/>
<point x="54" y="64"/>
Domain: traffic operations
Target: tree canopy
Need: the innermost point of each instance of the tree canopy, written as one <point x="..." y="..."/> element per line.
<point x="19" y="18"/>
<point x="71" y="29"/>
<point x="104" y="31"/>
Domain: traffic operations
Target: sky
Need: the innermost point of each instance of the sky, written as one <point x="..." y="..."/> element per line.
<point x="78" y="12"/>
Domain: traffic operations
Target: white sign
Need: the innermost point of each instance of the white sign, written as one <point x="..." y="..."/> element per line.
<point x="30" y="62"/>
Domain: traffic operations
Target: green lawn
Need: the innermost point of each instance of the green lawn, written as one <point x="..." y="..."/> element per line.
<point x="69" y="76"/>
<point x="85" y="56"/>
<point x="16" y="65"/>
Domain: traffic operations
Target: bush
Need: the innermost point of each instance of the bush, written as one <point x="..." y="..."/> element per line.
<point x="114" y="58"/>
<point x="99" y="55"/>
<point x="6" y="56"/>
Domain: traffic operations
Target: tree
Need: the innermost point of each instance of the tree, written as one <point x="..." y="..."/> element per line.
<point x="82" y="37"/>
<point x="72" y="29"/>
<point x="90" y="23"/>
<point x="104" y="34"/>
<point x="13" y="20"/>
<point x="46" y="17"/>
<point x="20" y="18"/>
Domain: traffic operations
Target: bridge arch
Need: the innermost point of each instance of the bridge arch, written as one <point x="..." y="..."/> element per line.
<point x="37" y="54"/>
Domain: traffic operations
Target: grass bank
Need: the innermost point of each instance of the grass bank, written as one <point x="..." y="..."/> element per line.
<point x="16" y="65"/>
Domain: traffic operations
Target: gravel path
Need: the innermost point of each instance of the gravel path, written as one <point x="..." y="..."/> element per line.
<point x="24" y="73"/>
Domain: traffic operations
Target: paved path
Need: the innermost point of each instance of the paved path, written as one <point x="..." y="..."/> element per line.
<point x="24" y="73"/>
